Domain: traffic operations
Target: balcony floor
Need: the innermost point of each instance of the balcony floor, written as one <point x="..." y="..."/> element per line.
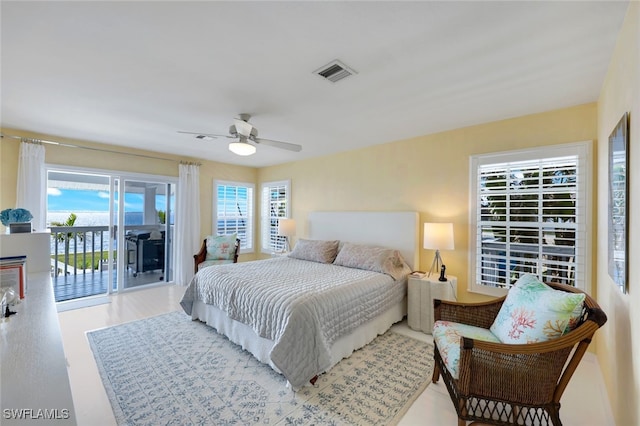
<point x="69" y="287"/>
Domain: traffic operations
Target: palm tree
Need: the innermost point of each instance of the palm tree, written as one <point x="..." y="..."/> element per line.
<point x="67" y="237"/>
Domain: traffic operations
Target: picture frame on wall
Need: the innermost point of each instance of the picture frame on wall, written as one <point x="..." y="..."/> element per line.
<point x="618" y="243"/>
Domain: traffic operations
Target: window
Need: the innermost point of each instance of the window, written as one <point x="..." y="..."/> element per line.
<point x="275" y="204"/>
<point x="233" y="203"/>
<point x="529" y="214"/>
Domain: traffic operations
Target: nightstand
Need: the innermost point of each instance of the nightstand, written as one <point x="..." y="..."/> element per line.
<point x="421" y="292"/>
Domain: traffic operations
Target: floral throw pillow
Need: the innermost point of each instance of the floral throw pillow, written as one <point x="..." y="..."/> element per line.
<point x="221" y="247"/>
<point x="534" y="312"/>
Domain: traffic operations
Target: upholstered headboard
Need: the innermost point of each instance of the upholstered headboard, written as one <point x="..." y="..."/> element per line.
<point x="396" y="230"/>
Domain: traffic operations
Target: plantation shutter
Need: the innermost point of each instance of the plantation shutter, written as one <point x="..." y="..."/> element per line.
<point x="275" y="205"/>
<point x="530" y="219"/>
<point x="234" y="205"/>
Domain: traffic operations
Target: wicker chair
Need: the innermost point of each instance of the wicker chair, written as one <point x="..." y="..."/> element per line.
<point x="201" y="255"/>
<point x="508" y="384"/>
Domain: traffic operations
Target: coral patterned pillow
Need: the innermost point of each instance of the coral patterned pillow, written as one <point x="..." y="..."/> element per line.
<point x="221" y="247"/>
<point x="534" y="312"/>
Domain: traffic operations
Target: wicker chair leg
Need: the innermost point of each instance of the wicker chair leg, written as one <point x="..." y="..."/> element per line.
<point x="436" y="374"/>
<point x="555" y="417"/>
<point x="515" y="412"/>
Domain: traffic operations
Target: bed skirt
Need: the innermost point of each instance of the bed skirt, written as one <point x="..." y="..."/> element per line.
<point x="260" y="347"/>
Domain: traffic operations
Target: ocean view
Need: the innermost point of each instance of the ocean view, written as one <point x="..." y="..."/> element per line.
<point x="89" y="218"/>
<point x="93" y="218"/>
<point x="91" y="208"/>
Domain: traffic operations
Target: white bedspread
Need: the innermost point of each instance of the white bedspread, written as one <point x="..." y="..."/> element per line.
<point x="302" y="306"/>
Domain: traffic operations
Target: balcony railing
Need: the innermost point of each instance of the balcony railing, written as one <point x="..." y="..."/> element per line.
<point x="79" y="247"/>
<point x="554" y="263"/>
<point x="83" y="249"/>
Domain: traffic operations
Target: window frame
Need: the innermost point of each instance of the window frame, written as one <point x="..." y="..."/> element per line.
<point x="584" y="206"/>
<point x="247" y="245"/>
<point x="266" y="220"/>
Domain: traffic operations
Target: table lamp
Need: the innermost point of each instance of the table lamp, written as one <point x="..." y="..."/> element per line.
<point x="438" y="236"/>
<point x="286" y="228"/>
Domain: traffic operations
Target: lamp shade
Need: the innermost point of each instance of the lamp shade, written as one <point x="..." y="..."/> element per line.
<point x="286" y="227"/>
<point x="242" y="148"/>
<point x="438" y="236"/>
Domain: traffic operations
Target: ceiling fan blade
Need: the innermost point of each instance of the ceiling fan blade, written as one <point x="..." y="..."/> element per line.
<point x="212" y="135"/>
<point x="277" y="144"/>
<point x="243" y="127"/>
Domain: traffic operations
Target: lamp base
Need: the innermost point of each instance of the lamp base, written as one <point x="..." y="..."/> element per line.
<point x="435" y="265"/>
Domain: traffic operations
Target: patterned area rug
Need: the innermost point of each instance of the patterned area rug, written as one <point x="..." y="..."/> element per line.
<point x="171" y="370"/>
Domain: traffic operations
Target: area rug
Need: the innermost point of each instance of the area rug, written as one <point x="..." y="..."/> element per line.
<point x="171" y="370"/>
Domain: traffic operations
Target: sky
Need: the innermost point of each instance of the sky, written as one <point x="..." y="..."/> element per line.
<point x="74" y="200"/>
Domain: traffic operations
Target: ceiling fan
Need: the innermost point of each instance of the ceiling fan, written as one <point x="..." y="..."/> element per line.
<point x="247" y="137"/>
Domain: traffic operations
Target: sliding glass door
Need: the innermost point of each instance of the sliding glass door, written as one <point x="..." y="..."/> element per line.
<point x="145" y="239"/>
<point x="90" y="253"/>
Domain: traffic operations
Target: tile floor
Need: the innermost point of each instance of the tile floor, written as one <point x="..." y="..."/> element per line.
<point x="584" y="402"/>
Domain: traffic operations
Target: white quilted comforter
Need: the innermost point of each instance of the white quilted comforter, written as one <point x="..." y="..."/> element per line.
<point x="302" y="306"/>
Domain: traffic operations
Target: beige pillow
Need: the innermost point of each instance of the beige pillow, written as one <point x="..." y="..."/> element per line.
<point x="315" y="250"/>
<point x="373" y="258"/>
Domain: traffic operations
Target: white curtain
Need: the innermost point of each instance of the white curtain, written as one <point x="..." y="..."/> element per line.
<point x="31" y="189"/>
<point x="187" y="234"/>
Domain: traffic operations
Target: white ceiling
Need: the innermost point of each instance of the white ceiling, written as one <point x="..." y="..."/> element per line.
<point x="133" y="73"/>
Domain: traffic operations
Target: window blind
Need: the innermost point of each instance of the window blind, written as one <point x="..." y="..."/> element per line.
<point x="274" y="205"/>
<point x="529" y="219"/>
<point x="234" y="211"/>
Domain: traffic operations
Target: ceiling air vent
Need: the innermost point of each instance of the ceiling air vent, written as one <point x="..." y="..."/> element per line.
<point x="335" y="71"/>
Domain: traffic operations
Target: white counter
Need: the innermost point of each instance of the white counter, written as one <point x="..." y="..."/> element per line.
<point x="33" y="369"/>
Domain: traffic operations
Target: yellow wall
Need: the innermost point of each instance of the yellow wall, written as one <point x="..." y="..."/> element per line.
<point x="618" y="344"/>
<point x="427" y="174"/>
<point x="9" y="153"/>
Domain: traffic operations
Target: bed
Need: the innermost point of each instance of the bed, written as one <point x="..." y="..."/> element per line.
<point x="303" y="321"/>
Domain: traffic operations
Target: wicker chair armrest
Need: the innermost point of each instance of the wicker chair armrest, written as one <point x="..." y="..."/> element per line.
<point x="499" y="374"/>
<point x="200" y="256"/>
<point x="499" y="371"/>
<point x="237" y="250"/>
<point x="480" y="314"/>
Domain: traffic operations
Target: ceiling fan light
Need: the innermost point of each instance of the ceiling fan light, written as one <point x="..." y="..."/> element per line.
<point x="242" y="148"/>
